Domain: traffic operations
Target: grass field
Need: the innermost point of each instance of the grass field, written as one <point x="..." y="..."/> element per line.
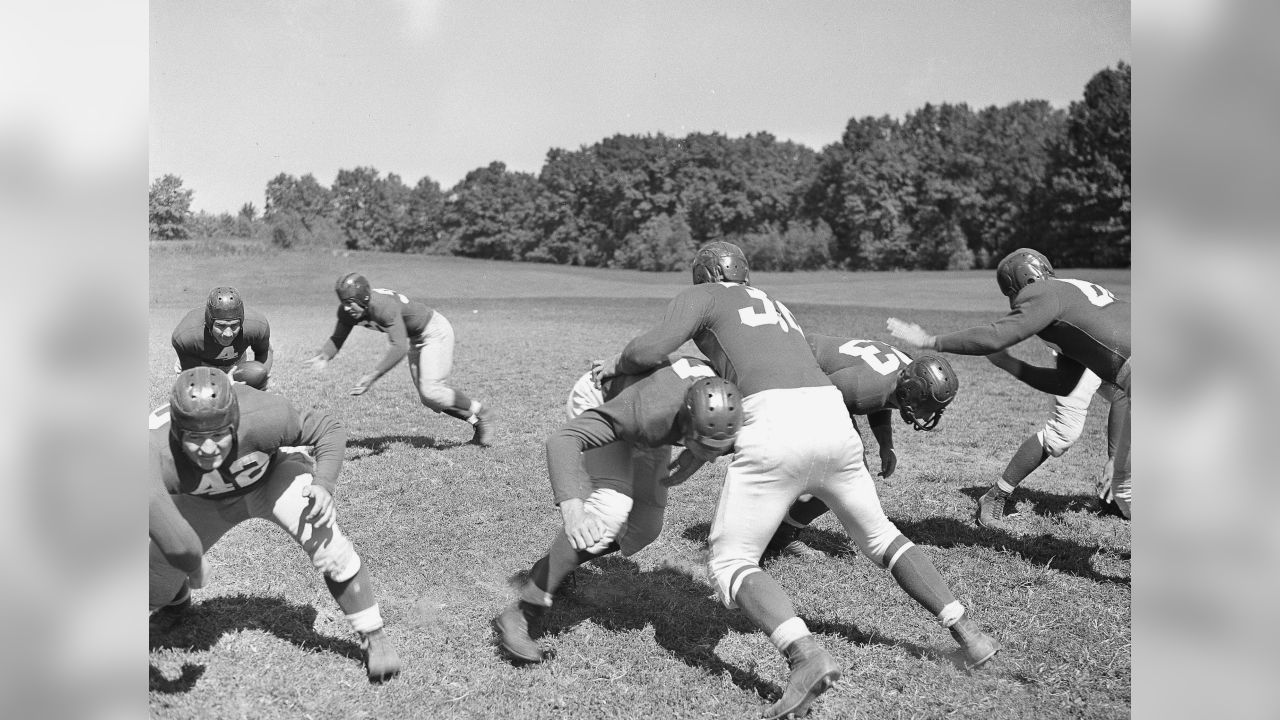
<point x="444" y="526"/>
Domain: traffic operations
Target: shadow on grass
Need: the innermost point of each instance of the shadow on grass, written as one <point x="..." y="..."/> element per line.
<point x="205" y="623"/>
<point x="686" y="620"/>
<point x="181" y="684"/>
<point x="380" y="444"/>
<point x="1044" y="504"/>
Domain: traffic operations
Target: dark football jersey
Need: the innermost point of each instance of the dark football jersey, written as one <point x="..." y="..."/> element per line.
<point x="865" y="371"/>
<point x="644" y="411"/>
<point x="1085" y="321"/>
<point x="196" y="347"/>
<point x="750" y="339"/>
<point x="390" y="312"/>
<point x="268" y="422"/>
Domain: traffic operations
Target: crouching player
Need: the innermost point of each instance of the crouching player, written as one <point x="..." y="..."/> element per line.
<point x="220" y="451"/>
<point x="610" y="468"/>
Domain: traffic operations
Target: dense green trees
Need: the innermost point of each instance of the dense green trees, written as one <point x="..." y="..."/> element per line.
<point x="945" y="187"/>
<point x="169" y="208"/>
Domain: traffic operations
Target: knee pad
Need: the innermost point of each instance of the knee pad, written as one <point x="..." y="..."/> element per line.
<point x="612" y="507"/>
<point x="436" y="396"/>
<point x="337" y="558"/>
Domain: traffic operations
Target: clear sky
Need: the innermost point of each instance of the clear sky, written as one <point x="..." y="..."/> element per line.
<point x="242" y="90"/>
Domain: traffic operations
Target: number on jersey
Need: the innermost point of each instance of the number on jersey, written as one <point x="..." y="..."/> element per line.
<point x="245" y="471"/>
<point x="399" y="296"/>
<point x="686" y="370"/>
<point x="883" y="361"/>
<point x="1097" y="294"/>
<point x="772" y="312"/>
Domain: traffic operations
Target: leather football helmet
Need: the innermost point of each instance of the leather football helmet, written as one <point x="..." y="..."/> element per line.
<point x="925" y="388"/>
<point x="713" y="413"/>
<point x="1019" y="269"/>
<point x="224" y="303"/>
<point x="202" y="401"/>
<point x="720" y="261"/>
<point x="353" y="286"/>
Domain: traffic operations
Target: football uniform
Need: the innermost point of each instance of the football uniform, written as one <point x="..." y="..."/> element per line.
<point x="864" y="371"/>
<point x="1089" y="327"/>
<point x="614" y="454"/>
<point x="797" y="437"/>
<point x="263" y="476"/>
<point x="195" y="346"/>
<point x="412" y="329"/>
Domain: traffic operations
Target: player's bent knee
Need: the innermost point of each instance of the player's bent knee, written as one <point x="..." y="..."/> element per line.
<point x="337" y="559"/>
<point x="436" y="396"/>
<point x="612" y="507"/>
<point x="1057" y="440"/>
<point x="728" y="579"/>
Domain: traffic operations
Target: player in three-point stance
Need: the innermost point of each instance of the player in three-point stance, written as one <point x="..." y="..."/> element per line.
<point x="218" y="449"/>
<point x="221" y="333"/>
<point x="413" y="329"/>
<point x="796" y="439"/>
<point x="1082" y="321"/>
<point x="874" y="378"/>
<point x="610" y="468"/>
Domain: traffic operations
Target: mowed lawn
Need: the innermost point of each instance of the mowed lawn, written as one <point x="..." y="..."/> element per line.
<point x="444" y="526"/>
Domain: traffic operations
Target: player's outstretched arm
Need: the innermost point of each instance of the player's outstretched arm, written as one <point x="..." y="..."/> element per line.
<point x="911" y="333"/>
<point x="881" y="423"/>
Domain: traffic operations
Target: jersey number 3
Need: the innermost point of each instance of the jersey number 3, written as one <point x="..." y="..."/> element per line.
<point x="773" y="313"/>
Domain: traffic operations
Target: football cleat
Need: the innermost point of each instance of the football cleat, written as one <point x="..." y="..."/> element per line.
<point x="513" y="631"/>
<point x="813" y="672"/>
<point x="991" y="508"/>
<point x="381" y="661"/>
<point x="978" y="647"/>
<point x="483" y="428"/>
<point x="786" y="542"/>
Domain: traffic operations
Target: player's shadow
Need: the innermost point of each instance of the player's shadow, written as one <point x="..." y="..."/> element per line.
<point x="201" y="627"/>
<point x="1041" y="503"/>
<point x="382" y="443"/>
<point x="686" y="620"/>
<point x="834" y="544"/>
<point x="1044" y="550"/>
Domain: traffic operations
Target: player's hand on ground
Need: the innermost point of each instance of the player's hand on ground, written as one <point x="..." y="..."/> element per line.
<point x="321" y="514"/>
<point x="682" y="468"/>
<point x="362" y="385"/>
<point x="602" y="370"/>
<point x="316" y="362"/>
<point x="582" y="527"/>
<point x="910" y="333"/>
<point x="888" y="462"/>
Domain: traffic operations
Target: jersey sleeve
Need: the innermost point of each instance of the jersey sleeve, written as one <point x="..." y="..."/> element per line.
<point x="398" y="336"/>
<point x="569" y="478"/>
<point x="171" y="532"/>
<point x="685" y="316"/>
<point x="328" y="439"/>
<point x="340" y="332"/>
<point x="260" y="342"/>
<point x="1032" y="312"/>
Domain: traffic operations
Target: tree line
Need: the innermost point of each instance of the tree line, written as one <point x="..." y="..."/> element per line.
<point x="945" y="187"/>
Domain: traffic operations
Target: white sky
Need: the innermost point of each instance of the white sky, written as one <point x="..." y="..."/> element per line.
<point x="242" y="90"/>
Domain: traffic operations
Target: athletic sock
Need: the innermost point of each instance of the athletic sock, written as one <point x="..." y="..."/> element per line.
<point x="1029" y="456"/>
<point x="917" y="575"/>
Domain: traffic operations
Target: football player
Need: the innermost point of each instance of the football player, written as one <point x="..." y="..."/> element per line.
<point x="610" y="468"/>
<point x="413" y="329"/>
<point x="1060" y="432"/>
<point x="875" y="378"/>
<point x="796" y="439"/>
<point x="1083" y="322"/>
<point x="221" y="333"/>
<point x="219" y="450"/>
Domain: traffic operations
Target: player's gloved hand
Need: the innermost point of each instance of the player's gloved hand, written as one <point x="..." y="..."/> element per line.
<point x="363" y="384"/>
<point x="582" y="528"/>
<point x="682" y="468"/>
<point x="602" y="370"/>
<point x="200" y="578"/>
<point x="322" y="512"/>
<point x="910" y="333"/>
<point x="888" y="462"/>
<point x="316" y="362"/>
